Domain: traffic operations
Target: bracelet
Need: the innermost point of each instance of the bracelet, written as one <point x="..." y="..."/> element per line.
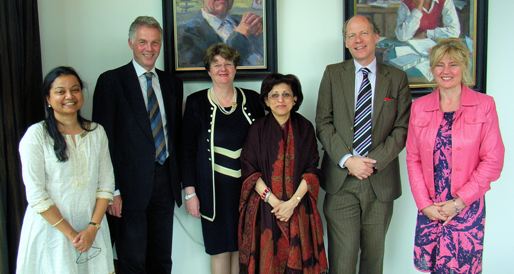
<point x="188" y="197"/>
<point x="58" y="222"/>
<point x="265" y="192"/>
<point x="97" y="226"/>
<point x="456" y="207"/>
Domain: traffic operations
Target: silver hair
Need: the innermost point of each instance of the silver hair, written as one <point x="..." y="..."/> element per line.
<point x="146" y="21"/>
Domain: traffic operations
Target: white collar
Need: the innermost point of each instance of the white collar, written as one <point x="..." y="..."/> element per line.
<point x="214" y="21"/>
<point x="432" y="4"/>
<point x="371" y="66"/>
<point x="140" y="70"/>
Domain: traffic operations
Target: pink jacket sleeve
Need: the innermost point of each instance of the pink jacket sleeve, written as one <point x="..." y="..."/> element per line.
<point x="414" y="166"/>
<point x="491" y="153"/>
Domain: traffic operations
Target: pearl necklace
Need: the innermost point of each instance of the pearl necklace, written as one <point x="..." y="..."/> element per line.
<point x="216" y="101"/>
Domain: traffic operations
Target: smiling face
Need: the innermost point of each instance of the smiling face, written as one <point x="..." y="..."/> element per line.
<point x="281" y="100"/>
<point x="222" y="71"/>
<point x="218" y="8"/>
<point x="65" y="96"/>
<point x="361" y="40"/>
<point x="447" y="73"/>
<point x="146" y="46"/>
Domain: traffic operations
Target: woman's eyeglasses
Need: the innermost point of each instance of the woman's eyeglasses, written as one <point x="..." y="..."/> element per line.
<point x="88" y="255"/>
<point x="285" y="96"/>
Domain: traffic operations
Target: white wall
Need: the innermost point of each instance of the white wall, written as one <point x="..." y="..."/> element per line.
<point x="92" y="37"/>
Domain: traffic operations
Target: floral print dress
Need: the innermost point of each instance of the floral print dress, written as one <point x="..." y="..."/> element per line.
<point x="456" y="247"/>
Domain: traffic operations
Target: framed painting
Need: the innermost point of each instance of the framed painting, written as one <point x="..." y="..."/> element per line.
<point x="407" y="35"/>
<point x="191" y="26"/>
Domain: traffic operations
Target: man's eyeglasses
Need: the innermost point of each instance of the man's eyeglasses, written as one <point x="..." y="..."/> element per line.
<point x="353" y="36"/>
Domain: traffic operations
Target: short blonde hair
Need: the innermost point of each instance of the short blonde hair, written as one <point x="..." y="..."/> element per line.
<point x="455" y="49"/>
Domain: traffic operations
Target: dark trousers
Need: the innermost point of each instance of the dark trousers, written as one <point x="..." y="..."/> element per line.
<point x="145" y="236"/>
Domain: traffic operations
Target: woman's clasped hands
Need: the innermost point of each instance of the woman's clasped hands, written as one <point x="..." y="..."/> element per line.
<point x="444" y="211"/>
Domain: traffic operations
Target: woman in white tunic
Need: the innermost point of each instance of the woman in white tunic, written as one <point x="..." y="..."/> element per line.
<point x="69" y="182"/>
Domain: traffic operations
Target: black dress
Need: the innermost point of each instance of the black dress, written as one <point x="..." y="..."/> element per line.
<point x="230" y="131"/>
<point x="209" y="134"/>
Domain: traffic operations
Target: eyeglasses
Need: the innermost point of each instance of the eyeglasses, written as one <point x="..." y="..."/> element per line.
<point x="88" y="255"/>
<point x="285" y="96"/>
<point x="220" y="66"/>
<point x="353" y="36"/>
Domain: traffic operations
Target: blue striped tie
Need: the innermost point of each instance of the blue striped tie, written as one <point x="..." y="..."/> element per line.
<point x="362" y="121"/>
<point x="155" y="121"/>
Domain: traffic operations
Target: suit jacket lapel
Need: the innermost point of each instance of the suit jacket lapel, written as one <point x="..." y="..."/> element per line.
<point x="135" y="98"/>
<point x="348" y="89"/>
<point x="169" y="101"/>
<point x="381" y="90"/>
<point x="167" y="96"/>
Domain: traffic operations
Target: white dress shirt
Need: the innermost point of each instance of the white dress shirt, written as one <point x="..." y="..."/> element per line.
<point x="372" y="77"/>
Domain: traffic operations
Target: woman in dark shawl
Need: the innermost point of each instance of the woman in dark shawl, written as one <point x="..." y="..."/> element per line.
<point x="280" y="228"/>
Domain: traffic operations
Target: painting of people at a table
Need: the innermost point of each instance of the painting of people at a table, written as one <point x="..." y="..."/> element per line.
<point x="410" y="28"/>
<point x="201" y="23"/>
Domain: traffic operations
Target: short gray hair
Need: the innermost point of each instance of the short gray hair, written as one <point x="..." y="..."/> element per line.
<point x="146" y="21"/>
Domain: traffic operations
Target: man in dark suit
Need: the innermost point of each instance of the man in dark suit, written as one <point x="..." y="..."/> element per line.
<point x="361" y="121"/>
<point x="140" y="108"/>
<point x="214" y="24"/>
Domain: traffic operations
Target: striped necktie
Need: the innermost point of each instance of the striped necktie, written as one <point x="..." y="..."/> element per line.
<point x="225" y="29"/>
<point x="155" y="121"/>
<point x="362" y="121"/>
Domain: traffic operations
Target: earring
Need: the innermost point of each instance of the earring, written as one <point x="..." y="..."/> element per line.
<point x="49" y="106"/>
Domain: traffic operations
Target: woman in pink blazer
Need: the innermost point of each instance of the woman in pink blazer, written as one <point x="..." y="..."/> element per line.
<point x="454" y="152"/>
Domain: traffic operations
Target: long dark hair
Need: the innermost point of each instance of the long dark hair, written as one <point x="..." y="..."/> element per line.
<point x="50" y="121"/>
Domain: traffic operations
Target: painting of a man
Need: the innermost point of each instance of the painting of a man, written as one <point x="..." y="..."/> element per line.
<point x="216" y="22"/>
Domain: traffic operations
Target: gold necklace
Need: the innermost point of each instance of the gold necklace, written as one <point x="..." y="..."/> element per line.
<point x="216" y="101"/>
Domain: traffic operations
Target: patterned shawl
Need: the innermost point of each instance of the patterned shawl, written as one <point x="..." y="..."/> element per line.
<point x="282" y="157"/>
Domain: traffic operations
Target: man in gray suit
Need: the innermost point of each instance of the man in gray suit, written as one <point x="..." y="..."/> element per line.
<point x="361" y="121"/>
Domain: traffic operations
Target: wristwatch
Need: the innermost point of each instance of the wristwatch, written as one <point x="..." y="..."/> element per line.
<point x="97" y="226"/>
